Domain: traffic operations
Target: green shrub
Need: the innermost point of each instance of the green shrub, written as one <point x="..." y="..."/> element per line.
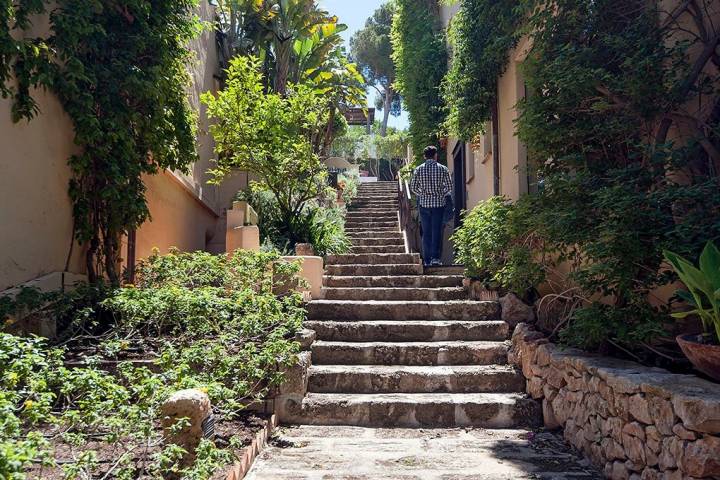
<point x="352" y="182"/>
<point x="212" y="322"/>
<point x="493" y="244"/>
<point x="319" y="223"/>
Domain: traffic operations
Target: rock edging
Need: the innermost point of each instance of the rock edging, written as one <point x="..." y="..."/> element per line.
<point x="636" y="422"/>
<point x="242" y="467"/>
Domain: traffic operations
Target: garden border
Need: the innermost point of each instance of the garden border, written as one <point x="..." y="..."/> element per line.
<point x="636" y="422"/>
<point x="241" y="468"/>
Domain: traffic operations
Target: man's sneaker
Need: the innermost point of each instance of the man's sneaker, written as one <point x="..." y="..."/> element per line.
<point x="436" y="262"/>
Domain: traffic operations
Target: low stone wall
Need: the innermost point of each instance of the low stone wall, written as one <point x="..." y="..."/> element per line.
<point x="635" y="422"/>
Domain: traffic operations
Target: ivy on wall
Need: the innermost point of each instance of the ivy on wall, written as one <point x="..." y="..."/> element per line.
<point x="420" y="59"/>
<point x="481" y="36"/>
<point x="119" y="70"/>
<point x="607" y="79"/>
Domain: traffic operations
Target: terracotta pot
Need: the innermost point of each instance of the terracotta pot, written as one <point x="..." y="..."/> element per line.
<point x="706" y="358"/>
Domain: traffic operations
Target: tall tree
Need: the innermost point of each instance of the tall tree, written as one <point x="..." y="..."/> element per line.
<point x="371" y="49"/>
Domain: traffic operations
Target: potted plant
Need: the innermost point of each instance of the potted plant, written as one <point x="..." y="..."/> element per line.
<point x="703" y="295"/>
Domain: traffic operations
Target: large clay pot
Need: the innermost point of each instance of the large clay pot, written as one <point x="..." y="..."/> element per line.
<point x="705" y="357"/>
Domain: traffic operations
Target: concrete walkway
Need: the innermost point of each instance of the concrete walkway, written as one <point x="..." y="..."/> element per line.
<point x="355" y="453"/>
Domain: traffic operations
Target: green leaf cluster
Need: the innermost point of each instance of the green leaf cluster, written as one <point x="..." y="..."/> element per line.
<point x="420" y="60"/>
<point x="495" y="243"/>
<point x="481" y="36"/>
<point x="703" y="287"/>
<point x="211" y="322"/>
<point x="605" y="80"/>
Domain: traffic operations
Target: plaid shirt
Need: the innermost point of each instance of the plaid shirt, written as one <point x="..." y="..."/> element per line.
<point x="431" y="183"/>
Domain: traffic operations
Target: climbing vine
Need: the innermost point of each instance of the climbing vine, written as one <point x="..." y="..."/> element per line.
<point x="119" y="70"/>
<point x="420" y="59"/>
<point x="481" y="36"/>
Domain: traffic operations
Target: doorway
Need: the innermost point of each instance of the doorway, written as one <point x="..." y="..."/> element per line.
<point x="460" y="186"/>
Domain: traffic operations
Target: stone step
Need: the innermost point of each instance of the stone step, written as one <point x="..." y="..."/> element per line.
<point x="409" y="353"/>
<point x="410" y="281"/>
<point x="372" y="258"/>
<point x="371" y="220"/>
<point x="412" y="379"/>
<point x="371" y="231"/>
<point x="382" y="270"/>
<point x="372" y="224"/>
<point x="418" y="410"/>
<point x="362" y="235"/>
<point x="402" y="310"/>
<point x="396" y="239"/>
<point x="372" y="204"/>
<point x="379" y="249"/>
<point x="430" y="294"/>
<point x="409" y="331"/>
<point x="372" y="213"/>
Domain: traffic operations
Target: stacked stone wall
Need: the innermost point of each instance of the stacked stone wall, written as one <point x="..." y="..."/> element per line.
<point x="636" y="422"/>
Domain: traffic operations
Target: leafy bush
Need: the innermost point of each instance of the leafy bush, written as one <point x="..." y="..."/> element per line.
<point x="494" y="244"/>
<point x="350" y="182"/>
<point x="320" y="223"/>
<point x="209" y="322"/>
<point x="606" y="80"/>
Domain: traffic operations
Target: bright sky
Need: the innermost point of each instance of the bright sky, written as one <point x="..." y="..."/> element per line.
<point x="354" y="13"/>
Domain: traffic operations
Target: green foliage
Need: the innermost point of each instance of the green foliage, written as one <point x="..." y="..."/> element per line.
<point x="420" y="60"/>
<point x="272" y="136"/>
<point x="349" y="182"/>
<point x="211" y="322"/>
<point x="481" y="36"/>
<point x="120" y="74"/>
<point x="603" y="82"/>
<point x="371" y="48"/>
<point x="495" y="245"/>
<point x="703" y="287"/>
<point x="319" y="223"/>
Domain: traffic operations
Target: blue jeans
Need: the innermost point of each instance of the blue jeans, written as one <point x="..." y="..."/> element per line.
<point x="431" y="220"/>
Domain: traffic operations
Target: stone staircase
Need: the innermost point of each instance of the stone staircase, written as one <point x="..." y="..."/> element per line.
<point x="397" y="348"/>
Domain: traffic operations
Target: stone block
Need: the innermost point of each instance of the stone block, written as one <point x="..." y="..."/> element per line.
<point x="683" y="433"/>
<point x="514" y="311"/>
<point x="701" y="458"/>
<point x="549" y="419"/>
<point x="296" y="377"/>
<point x="639" y="408"/>
<point x="192" y="406"/>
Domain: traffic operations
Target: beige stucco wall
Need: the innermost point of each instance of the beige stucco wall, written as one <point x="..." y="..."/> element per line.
<point x="35" y="210"/>
<point x="36" y="223"/>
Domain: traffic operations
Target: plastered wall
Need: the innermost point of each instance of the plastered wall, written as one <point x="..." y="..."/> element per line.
<point x="35" y="210"/>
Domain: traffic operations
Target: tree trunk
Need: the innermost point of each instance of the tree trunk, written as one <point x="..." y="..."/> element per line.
<point x="282" y="66"/>
<point x="387" y="105"/>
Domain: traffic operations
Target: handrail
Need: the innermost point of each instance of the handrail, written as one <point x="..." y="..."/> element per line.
<point x="409" y="222"/>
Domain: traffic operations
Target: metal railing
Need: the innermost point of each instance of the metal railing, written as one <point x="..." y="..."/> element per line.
<point x="409" y="220"/>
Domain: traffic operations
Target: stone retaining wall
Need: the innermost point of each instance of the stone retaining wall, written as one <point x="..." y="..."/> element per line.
<point x="635" y="422"/>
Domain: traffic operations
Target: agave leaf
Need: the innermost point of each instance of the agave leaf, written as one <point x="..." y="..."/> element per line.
<point x="681" y="315"/>
<point x="687" y="297"/>
<point x="710" y="264"/>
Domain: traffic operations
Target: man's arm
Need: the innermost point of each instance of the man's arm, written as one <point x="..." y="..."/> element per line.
<point x="447" y="182"/>
<point x="414" y="183"/>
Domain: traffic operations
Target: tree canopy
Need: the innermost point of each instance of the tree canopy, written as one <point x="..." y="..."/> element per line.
<point x="371" y="49"/>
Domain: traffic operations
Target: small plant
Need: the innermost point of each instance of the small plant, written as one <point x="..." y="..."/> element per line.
<point x="349" y="182"/>
<point x="494" y="245"/>
<point x="703" y="287"/>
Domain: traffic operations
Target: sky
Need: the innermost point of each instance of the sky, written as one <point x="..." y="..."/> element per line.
<point x="354" y="13"/>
